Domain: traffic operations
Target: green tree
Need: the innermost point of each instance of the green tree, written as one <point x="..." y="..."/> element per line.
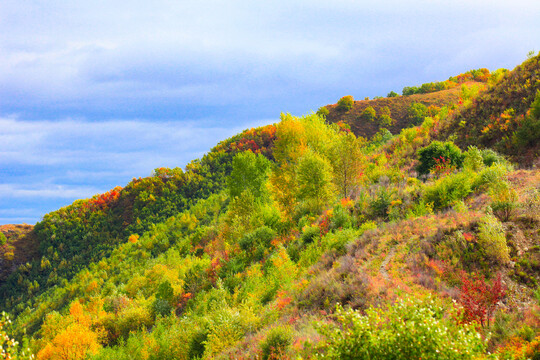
<point x="346" y="160"/>
<point x="314" y="177"/>
<point x="250" y="172"/>
<point x="392" y="94"/>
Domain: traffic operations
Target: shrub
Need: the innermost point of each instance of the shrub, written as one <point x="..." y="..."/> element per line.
<point x="276" y="343"/>
<point x="416" y="113"/>
<point x="323" y="111"/>
<point x="310" y="233"/>
<point x="479" y="299"/>
<point x="409" y="329"/>
<point x="346" y="103"/>
<point x="529" y="131"/>
<point x="490" y="157"/>
<point x="161" y="307"/>
<point x="447" y="150"/>
<point x="490" y="177"/>
<point x="385" y="120"/>
<point x="262" y="236"/>
<point x="341" y="218"/>
<point x="448" y="190"/>
<point x="473" y="159"/>
<point x="492" y="239"/>
<point x="504" y="200"/>
<point x="392" y="94"/>
<point x="369" y="114"/>
<point x="380" y="205"/>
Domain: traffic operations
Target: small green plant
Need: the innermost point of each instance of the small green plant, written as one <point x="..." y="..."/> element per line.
<point x="346" y="103"/>
<point x="473" y="159"/>
<point x="276" y="343"/>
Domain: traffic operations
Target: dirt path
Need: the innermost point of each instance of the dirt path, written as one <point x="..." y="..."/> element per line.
<point x="382" y="268"/>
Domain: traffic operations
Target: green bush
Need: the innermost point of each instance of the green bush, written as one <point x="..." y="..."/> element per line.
<point x="392" y="94"/>
<point x="490" y="157"/>
<point x="346" y="103"/>
<point x="473" y="159"/>
<point x="340" y="218"/>
<point x="529" y="131"/>
<point x="3" y="239"/>
<point x="446" y="191"/>
<point x="369" y="114"/>
<point x="409" y="329"/>
<point x="492" y="239"/>
<point x="310" y="233"/>
<point x="323" y="111"/>
<point x="417" y="112"/>
<point x="276" y="343"/>
<point x="385" y="120"/>
<point x="437" y="150"/>
<point x="379" y="206"/>
<point x="161" y="307"/>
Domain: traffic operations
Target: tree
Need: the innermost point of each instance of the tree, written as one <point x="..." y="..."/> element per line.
<point x="250" y="172"/>
<point x="314" y="177"/>
<point x="392" y="94"/>
<point x="347" y="161"/>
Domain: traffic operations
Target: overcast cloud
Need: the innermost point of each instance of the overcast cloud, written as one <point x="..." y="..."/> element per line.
<point x="93" y="93"/>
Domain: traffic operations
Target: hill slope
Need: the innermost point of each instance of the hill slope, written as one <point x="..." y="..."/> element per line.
<point x="292" y="241"/>
<point x="398" y="107"/>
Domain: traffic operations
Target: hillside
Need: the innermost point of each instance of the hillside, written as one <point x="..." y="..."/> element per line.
<point x="499" y="118"/>
<point x="398" y="107"/>
<point x="300" y="240"/>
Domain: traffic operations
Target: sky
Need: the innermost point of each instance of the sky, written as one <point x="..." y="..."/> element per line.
<point x="95" y="93"/>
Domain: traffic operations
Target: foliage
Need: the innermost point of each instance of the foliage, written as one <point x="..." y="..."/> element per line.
<point x="417" y="112"/>
<point x="436" y="150"/>
<point x="492" y="239"/>
<point x="446" y="191"/>
<point x="369" y="114"/>
<point x="392" y="94"/>
<point x="276" y="343"/>
<point x="323" y="111"/>
<point x="479" y="299"/>
<point x="3" y="239"/>
<point x="249" y="173"/>
<point x="345" y="103"/>
<point x="409" y="329"/>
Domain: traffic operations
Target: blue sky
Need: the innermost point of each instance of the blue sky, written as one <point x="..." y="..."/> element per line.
<point x="94" y="93"/>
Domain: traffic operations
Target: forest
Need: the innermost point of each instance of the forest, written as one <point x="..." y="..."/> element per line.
<point x="403" y="227"/>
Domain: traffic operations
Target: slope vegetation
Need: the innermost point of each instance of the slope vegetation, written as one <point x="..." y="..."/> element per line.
<point x="295" y="241"/>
